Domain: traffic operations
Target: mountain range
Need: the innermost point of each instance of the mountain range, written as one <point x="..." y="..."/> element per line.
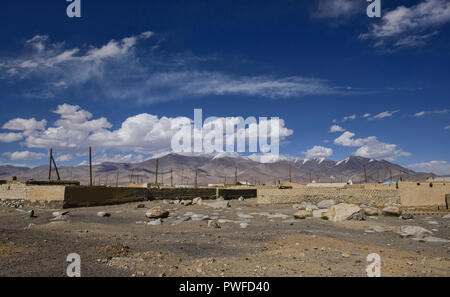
<point x="218" y="168"/>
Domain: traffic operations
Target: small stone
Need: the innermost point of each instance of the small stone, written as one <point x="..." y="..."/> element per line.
<point x="407" y="216"/>
<point x="391" y="211"/>
<point x="326" y="204"/>
<point x="197" y="201"/>
<point x="302" y="214"/>
<point x="371" y="211"/>
<point x="186" y="202"/>
<point x="213" y="224"/>
<point x="141" y="206"/>
<point x="103" y="214"/>
<point x="241" y="198"/>
<point x="157" y="213"/>
<point x="30" y="214"/>
<point x="345" y="255"/>
<point x="155" y="222"/>
<point x="244" y="225"/>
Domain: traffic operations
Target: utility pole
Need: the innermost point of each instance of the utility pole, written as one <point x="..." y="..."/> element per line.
<point x="156" y="172"/>
<point x="235" y="176"/>
<point x="50" y="165"/>
<point x="182" y="176"/>
<point x="131" y="177"/>
<point x="90" y="166"/>
<point x="171" y="177"/>
<point x="310" y="177"/>
<point x="117" y="179"/>
<point x="196" y="179"/>
<point x="290" y="174"/>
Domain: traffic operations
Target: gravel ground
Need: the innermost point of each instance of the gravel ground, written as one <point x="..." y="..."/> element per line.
<point x="253" y="240"/>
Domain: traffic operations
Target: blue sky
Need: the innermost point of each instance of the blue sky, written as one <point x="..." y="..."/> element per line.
<point x="120" y="77"/>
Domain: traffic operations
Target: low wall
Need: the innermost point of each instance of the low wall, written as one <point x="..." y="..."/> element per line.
<point x="205" y="193"/>
<point x="355" y="195"/>
<point x="423" y="194"/>
<point x="230" y="194"/>
<point x="13" y="191"/>
<point x="82" y="196"/>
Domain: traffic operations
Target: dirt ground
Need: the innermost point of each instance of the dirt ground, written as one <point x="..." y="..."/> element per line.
<point x="258" y="240"/>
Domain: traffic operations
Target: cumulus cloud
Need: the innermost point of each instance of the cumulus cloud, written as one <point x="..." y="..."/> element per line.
<point x="447" y="127"/>
<point x="336" y="128"/>
<point x="124" y="70"/>
<point x="370" y="147"/>
<point x="25" y="125"/>
<point x="318" y="152"/>
<point x="25" y="156"/>
<point x="10" y="137"/>
<point x="409" y="26"/>
<point x="437" y="167"/>
<point x="76" y="130"/>
<point x="65" y="158"/>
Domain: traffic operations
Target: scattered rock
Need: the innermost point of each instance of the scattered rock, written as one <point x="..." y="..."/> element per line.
<point x="433" y="223"/>
<point x="377" y="229"/>
<point x="213" y="224"/>
<point x="155" y="222"/>
<point x="60" y="218"/>
<point x="218" y="204"/>
<point x="302" y="214"/>
<point x="326" y="204"/>
<point x="245" y="216"/>
<point x="345" y="255"/>
<point x="197" y="201"/>
<point x="103" y="214"/>
<point x="407" y="216"/>
<point x="413" y="231"/>
<point x="241" y="198"/>
<point x="371" y="211"/>
<point x="30" y="214"/>
<point x="181" y="220"/>
<point x="244" y="225"/>
<point x="342" y="212"/>
<point x="391" y="211"/>
<point x="141" y="206"/>
<point x="157" y="213"/>
<point x="319" y="213"/>
<point x="60" y="213"/>
<point x="432" y="239"/>
<point x="447" y="216"/>
<point x="186" y="202"/>
<point x="358" y="216"/>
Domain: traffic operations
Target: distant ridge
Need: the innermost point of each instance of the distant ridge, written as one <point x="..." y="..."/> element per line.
<point x="215" y="168"/>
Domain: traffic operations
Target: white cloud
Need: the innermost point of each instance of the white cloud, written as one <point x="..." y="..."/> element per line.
<point x="10" y="137"/>
<point x="121" y="70"/>
<point x="366" y="115"/>
<point x="437" y="167"/>
<point x="25" y="125"/>
<point x="384" y="114"/>
<point x="25" y="155"/>
<point x="118" y="158"/>
<point x="64" y="158"/>
<point x="434" y="112"/>
<point x="144" y="133"/>
<point x="336" y="128"/>
<point x="318" y="152"/>
<point x="409" y="26"/>
<point x="370" y="147"/>
<point x="447" y="127"/>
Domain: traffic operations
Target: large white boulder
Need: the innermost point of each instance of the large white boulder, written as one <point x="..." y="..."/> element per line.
<point x="342" y="212"/>
<point x="326" y="204"/>
<point x="414" y="231"/>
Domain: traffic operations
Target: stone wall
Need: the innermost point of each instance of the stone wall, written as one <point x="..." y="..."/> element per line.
<point x="355" y="195"/>
<point x="423" y="194"/>
<point x="82" y="196"/>
<point x="13" y="191"/>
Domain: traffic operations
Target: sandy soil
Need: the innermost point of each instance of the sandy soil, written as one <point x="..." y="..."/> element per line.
<point x="273" y="243"/>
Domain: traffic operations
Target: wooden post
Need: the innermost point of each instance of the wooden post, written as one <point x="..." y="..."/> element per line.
<point x="196" y="178"/>
<point x="90" y="166"/>
<point x="235" y="176"/>
<point x="171" y="177"/>
<point x="56" y="168"/>
<point x="182" y="176"/>
<point x="50" y="165"/>
<point x="117" y="179"/>
<point x="156" y="172"/>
